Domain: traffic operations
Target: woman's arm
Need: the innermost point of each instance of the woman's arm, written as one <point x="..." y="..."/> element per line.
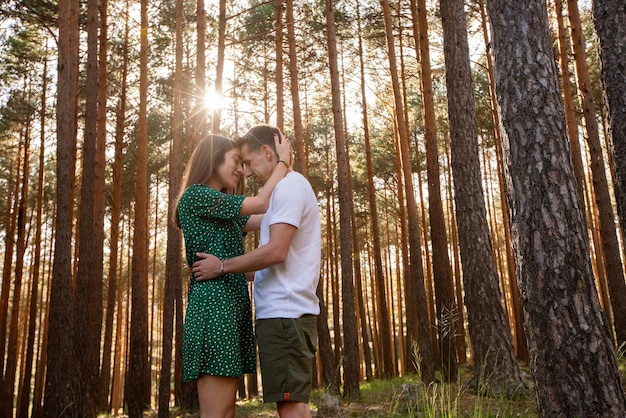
<point x="253" y="224"/>
<point x="260" y="202"/>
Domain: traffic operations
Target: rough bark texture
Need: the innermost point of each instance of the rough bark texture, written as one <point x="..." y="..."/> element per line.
<point x="174" y="264"/>
<point x="88" y="292"/>
<point x="137" y="383"/>
<point x="418" y="332"/>
<point x="572" y="359"/>
<point x="302" y="158"/>
<point x="606" y="216"/>
<point x="609" y="19"/>
<point x="496" y="369"/>
<point x="442" y="270"/>
<point x="62" y="392"/>
<point x="351" y="349"/>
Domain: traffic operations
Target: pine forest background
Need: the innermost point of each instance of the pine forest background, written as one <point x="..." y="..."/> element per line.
<point x="469" y="158"/>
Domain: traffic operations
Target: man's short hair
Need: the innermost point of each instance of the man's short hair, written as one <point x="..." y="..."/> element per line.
<point x="258" y="136"/>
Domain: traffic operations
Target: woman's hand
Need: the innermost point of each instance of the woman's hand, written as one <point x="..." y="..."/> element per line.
<point x="283" y="149"/>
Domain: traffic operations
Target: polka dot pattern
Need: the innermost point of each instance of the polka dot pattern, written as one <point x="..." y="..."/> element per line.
<point x="217" y="333"/>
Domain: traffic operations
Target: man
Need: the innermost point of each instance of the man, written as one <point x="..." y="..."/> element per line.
<point x="287" y="265"/>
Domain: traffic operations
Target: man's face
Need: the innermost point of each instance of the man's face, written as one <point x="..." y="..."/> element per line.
<point x="257" y="164"/>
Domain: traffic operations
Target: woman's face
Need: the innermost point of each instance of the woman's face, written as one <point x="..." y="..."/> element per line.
<point x="228" y="174"/>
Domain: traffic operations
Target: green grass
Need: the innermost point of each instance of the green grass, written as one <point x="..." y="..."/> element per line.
<point x="382" y="398"/>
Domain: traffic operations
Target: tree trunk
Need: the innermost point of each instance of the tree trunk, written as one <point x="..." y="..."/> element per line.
<point x="10" y="371"/>
<point x="174" y="264"/>
<point x="63" y="389"/>
<point x="442" y="271"/>
<point x="608" y="19"/>
<point x="415" y="292"/>
<point x="219" y="69"/>
<point x="572" y="359"/>
<point x="350" y="335"/>
<point x="198" y="121"/>
<point x="301" y="163"/>
<point x="610" y="245"/>
<point x="280" y="87"/>
<point x="88" y="292"/>
<point x="373" y="209"/>
<point x="496" y="370"/>
<point x="25" y="387"/>
<point x="521" y="345"/>
<point x="106" y="380"/>
<point x="137" y="387"/>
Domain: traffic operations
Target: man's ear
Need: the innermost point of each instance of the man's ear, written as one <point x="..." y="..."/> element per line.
<point x="266" y="152"/>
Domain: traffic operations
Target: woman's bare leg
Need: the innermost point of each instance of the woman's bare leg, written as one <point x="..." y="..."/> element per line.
<point x="217" y="396"/>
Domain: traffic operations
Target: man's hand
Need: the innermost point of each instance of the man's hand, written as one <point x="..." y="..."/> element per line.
<point x="207" y="267"/>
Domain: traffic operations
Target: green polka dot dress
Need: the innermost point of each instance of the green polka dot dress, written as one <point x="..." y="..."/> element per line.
<point x="217" y="333"/>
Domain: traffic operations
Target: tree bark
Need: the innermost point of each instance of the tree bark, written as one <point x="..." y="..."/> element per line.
<point x="219" y="68"/>
<point x="415" y="292"/>
<point x="63" y="389"/>
<point x="350" y="334"/>
<point x="608" y="19"/>
<point x="496" y="370"/>
<point x="88" y="292"/>
<point x="606" y="216"/>
<point x="174" y="264"/>
<point x="280" y="87"/>
<point x="8" y="386"/>
<point x="137" y="386"/>
<point x="25" y="387"/>
<point x="302" y="158"/>
<point x="572" y="359"/>
<point x="442" y="270"/>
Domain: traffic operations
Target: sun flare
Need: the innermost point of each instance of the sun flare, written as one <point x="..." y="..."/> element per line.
<point x="214" y="101"/>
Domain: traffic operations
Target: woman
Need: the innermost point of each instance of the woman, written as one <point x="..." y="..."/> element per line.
<point x="218" y="345"/>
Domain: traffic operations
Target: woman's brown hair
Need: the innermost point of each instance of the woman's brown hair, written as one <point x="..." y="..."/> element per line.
<point x="208" y="155"/>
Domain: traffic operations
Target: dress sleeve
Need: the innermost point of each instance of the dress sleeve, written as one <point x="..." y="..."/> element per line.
<point x="210" y="203"/>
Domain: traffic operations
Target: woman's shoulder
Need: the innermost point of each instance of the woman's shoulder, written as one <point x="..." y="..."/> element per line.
<point x="199" y="189"/>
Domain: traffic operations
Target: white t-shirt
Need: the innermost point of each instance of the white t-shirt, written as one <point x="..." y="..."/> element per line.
<point x="287" y="290"/>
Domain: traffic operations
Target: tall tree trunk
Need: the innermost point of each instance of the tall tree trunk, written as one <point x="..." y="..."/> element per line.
<point x="608" y="19"/>
<point x="198" y="118"/>
<point x="88" y="292"/>
<point x="496" y="370"/>
<point x="572" y="359"/>
<point x="63" y="389"/>
<point x="415" y="292"/>
<point x="174" y="264"/>
<point x="521" y="345"/>
<point x="379" y="277"/>
<point x="137" y="387"/>
<point x="101" y="390"/>
<point x="106" y="380"/>
<point x="7" y="266"/>
<point x="568" y="100"/>
<point x="610" y="245"/>
<point x="219" y="69"/>
<point x="8" y="385"/>
<point x="442" y="270"/>
<point x="350" y="335"/>
<point x="301" y="163"/>
<point x="25" y="387"/>
<point x="280" y="101"/>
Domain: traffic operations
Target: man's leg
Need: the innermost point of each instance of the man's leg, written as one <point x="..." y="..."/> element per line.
<point x="217" y="396"/>
<point x="291" y="409"/>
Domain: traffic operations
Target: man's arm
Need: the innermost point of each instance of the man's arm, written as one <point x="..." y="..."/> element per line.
<point x="272" y="253"/>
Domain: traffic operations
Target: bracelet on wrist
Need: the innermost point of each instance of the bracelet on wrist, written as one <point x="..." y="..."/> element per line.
<point x="284" y="162"/>
<point x="222" y="266"/>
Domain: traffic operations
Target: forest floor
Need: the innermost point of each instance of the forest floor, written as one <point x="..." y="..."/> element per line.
<point x="388" y="398"/>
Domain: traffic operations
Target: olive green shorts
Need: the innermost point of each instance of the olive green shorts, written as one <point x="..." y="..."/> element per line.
<point x="286" y="351"/>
